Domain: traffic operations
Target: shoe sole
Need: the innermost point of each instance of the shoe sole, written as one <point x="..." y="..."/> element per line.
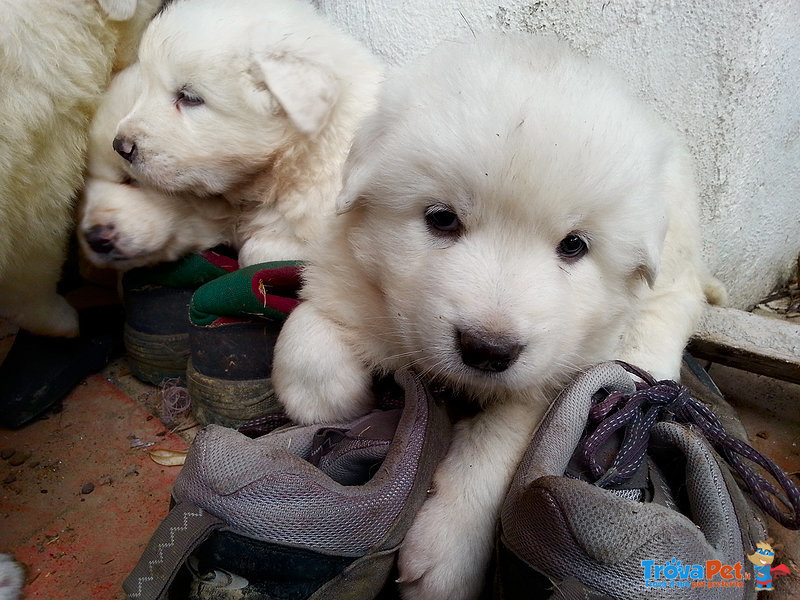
<point x="229" y="402"/>
<point x="155" y="357"/>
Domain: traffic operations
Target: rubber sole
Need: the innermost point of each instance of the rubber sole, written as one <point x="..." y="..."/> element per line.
<point x="229" y="402"/>
<point x="156" y="357"/>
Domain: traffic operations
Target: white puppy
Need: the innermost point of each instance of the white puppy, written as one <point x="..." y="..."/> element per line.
<point x="255" y="100"/>
<point x="509" y="217"/>
<point x="55" y="60"/>
<point x="122" y="224"/>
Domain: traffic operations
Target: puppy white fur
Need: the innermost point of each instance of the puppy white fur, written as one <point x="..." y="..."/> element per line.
<point x="123" y="224"/>
<point x="55" y="60"/>
<point x="254" y="100"/>
<point x="12" y="578"/>
<point x="509" y="217"/>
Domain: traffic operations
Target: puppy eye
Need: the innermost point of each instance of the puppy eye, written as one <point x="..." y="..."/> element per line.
<point x="442" y="219"/>
<point x="186" y="98"/>
<point x="572" y="247"/>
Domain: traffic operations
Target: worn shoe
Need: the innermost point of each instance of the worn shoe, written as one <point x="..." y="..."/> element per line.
<point x="235" y="321"/>
<point x="314" y="512"/>
<point x="40" y="371"/>
<point x="621" y="494"/>
<point x="156" y="301"/>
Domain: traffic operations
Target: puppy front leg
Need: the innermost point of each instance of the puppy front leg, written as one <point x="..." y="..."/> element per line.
<point x="267" y="236"/>
<point x="316" y="373"/>
<point x="28" y="293"/>
<point x="446" y="551"/>
<point x="265" y="248"/>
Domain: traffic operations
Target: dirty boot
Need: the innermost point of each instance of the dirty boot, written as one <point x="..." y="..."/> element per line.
<point x="156" y="303"/>
<point x="235" y="322"/>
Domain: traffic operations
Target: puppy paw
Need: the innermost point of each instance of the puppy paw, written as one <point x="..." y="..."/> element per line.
<point x="438" y="559"/>
<point x="63" y="321"/>
<point x="316" y="375"/>
<point x="51" y="315"/>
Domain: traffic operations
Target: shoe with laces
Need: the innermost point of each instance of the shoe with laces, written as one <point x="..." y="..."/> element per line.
<point x="314" y="512"/>
<point x="632" y="490"/>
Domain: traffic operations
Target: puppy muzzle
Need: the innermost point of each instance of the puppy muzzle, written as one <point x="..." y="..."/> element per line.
<point x="100" y="238"/>
<point x="125" y="148"/>
<point x="488" y="351"/>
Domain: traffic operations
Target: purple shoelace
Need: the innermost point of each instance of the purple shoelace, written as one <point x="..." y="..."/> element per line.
<point x="655" y="401"/>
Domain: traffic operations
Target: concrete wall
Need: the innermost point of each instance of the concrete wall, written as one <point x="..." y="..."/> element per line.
<point x="726" y="73"/>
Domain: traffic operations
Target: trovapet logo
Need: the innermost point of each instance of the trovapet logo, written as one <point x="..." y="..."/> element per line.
<point x="714" y="573"/>
<point x="762" y="560"/>
<point x="710" y="574"/>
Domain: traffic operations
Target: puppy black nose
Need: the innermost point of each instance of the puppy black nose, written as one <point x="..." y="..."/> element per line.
<point x="125" y="148"/>
<point x="100" y="238"/>
<point x="488" y="352"/>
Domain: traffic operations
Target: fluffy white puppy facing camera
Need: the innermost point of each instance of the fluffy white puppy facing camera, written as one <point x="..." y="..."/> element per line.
<point x="510" y="216"/>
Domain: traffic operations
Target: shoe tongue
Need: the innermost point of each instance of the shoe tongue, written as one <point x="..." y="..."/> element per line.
<point x="351" y="455"/>
<point x="660" y="488"/>
<point x="637" y="487"/>
<point x="647" y="484"/>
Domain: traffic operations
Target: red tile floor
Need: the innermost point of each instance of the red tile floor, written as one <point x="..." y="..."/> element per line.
<point x="79" y="508"/>
<point x="79" y="493"/>
<point x="82" y="503"/>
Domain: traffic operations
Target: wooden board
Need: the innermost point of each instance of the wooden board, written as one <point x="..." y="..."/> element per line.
<point x="751" y="342"/>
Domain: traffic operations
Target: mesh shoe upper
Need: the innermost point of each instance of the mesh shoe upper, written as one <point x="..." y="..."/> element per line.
<point x="687" y="509"/>
<point x="340" y="490"/>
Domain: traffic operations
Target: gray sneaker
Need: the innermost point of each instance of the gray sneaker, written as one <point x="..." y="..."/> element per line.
<point x="621" y="495"/>
<point x="315" y="512"/>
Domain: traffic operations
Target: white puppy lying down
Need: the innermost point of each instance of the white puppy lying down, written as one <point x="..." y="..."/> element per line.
<point x="122" y="224"/>
<point x="509" y="217"/>
<point x="254" y="100"/>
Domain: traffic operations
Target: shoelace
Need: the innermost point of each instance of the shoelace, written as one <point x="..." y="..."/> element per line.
<point x="655" y="401"/>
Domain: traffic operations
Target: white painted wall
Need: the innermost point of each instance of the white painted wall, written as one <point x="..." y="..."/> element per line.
<point x="726" y="73"/>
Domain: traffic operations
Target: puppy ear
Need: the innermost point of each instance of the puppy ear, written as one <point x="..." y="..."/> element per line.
<point x="306" y="91"/>
<point x="362" y="162"/>
<point x="353" y="178"/>
<point x="357" y="172"/>
<point x="650" y="265"/>
<point x="118" y="10"/>
<point x="347" y="201"/>
<point x="675" y="210"/>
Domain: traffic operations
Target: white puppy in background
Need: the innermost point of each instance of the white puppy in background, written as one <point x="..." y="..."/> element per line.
<point x="254" y="100"/>
<point x="55" y="60"/>
<point x="510" y="216"/>
<point x="122" y="224"/>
